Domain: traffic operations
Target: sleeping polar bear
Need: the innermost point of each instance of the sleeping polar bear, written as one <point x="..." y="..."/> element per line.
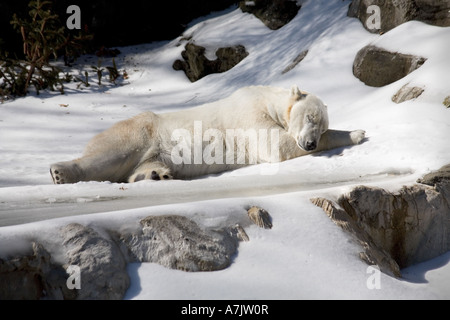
<point x="253" y="125"/>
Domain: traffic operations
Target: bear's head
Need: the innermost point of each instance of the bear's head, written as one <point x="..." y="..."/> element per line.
<point x="308" y="119"/>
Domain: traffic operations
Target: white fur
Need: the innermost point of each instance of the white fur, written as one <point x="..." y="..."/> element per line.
<point x="143" y="147"/>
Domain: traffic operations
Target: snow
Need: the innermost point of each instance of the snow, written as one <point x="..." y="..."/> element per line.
<point x="305" y="256"/>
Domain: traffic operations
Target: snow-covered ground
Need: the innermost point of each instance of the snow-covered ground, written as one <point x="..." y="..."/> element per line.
<point x="305" y="255"/>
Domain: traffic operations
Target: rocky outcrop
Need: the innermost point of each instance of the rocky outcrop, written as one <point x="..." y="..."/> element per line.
<point x="32" y="276"/>
<point x="437" y="177"/>
<point x="179" y="243"/>
<point x="394" y="13"/>
<point x="378" y="67"/>
<point x="397" y="229"/>
<point x="196" y="65"/>
<point x="407" y="93"/>
<point x="35" y="276"/>
<point x="274" y="14"/>
<point x="96" y="258"/>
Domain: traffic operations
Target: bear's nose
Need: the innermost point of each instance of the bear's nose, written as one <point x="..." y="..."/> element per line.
<point x="311" y="145"/>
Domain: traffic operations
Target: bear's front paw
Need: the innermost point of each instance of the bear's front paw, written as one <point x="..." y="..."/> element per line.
<point x="358" y="136"/>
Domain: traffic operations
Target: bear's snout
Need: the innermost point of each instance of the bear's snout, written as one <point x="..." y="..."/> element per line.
<point x="311" y="145"/>
<point x="308" y="145"/>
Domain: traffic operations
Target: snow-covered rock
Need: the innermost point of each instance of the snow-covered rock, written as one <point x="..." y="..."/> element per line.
<point x="378" y="67"/>
<point x="396" y="229"/>
<point x="177" y="242"/>
<point x="274" y="14"/>
<point x="32" y="276"/>
<point x="102" y="265"/>
<point x="196" y="65"/>
<point x="394" y="13"/>
<point x="100" y="257"/>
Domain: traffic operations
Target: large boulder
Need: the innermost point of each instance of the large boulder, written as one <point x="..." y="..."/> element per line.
<point x="36" y="274"/>
<point x="177" y="242"/>
<point x="394" y="13"/>
<point x="396" y="229"/>
<point x="102" y="265"/>
<point x="32" y="276"/>
<point x="378" y="67"/>
<point x="196" y="65"/>
<point x="273" y="13"/>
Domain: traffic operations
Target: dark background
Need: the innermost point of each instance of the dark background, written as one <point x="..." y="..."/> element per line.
<point x="117" y="22"/>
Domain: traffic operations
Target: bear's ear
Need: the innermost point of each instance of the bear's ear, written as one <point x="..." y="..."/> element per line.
<point x="296" y="94"/>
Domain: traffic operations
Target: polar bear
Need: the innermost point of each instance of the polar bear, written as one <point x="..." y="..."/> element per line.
<point x="257" y="124"/>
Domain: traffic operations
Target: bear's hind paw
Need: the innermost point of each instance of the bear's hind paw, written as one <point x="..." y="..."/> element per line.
<point x="65" y="172"/>
<point x="58" y="174"/>
<point x="149" y="172"/>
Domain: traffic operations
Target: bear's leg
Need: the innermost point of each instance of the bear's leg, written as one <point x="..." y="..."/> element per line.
<point x="66" y="172"/>
<point x="151" y="171"/>
<point x="101" y="167"/>
<point x="332" y="139"/>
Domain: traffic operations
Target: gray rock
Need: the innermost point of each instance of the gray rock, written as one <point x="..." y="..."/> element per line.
<point x="374" y="253"/>
<point x="196" y="65"/>
<point x="439" y="176"/>
<point x="394" y="13"/>
<point x="273" y="13"/>
<point x="377" y="67"/>
<point x="407" y="93"/>
<point x="101" y="256"/>
<point x="397" y="229"/>
<point x="102" y="264"/>
<point x="177" y="242"/>
<point x="434" y="12"/>
<point x="260" y="217"/>
<point x="32" y="276"/>
<point x="229" y="57"/>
